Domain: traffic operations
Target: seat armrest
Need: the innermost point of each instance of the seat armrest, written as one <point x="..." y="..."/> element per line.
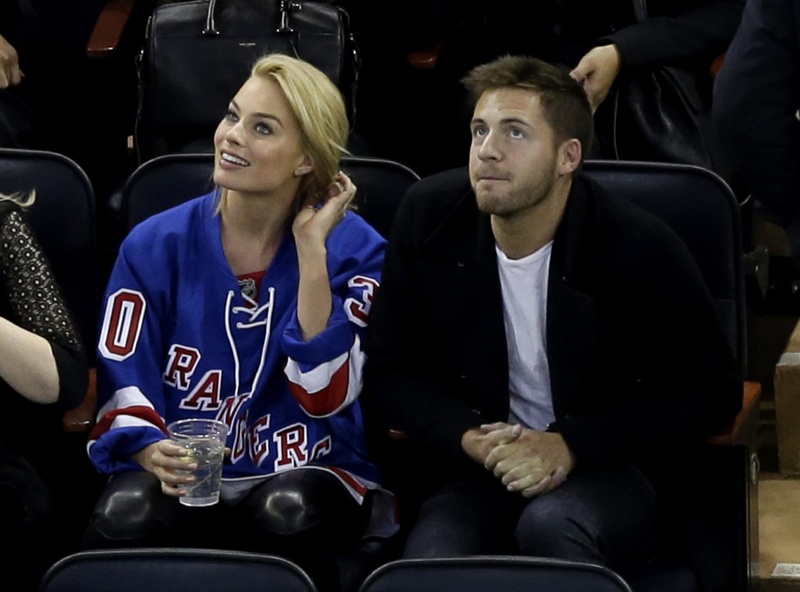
<point x="744" y="425"/>
<point x="716" y="65"/>
<point x="82" y="418"/>
<point x="109" y="27"/>
<point x="425" y="59"/>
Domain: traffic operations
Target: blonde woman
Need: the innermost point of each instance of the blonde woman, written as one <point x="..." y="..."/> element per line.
<point x="42" y="372"/>
<point x="246" y="305"/>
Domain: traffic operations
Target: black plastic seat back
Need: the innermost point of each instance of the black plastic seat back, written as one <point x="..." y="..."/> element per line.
<point x="163" y="183"/>
<point x="702" y="210"/>
<point x="174" y="570"/>
<point x="171" y="180"/>
<point x="493" y="574"/>
<point x="63" y="218"/>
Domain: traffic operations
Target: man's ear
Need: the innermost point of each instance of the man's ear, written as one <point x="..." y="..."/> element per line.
<point x="305" y="167"/>
<point x="569" y="156"/>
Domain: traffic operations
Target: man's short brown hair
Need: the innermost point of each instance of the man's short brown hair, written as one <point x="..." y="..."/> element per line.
<point x="565" y="105"/>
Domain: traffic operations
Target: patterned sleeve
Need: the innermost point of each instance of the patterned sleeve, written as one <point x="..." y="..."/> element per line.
<point x="37" y="304"/>
<point x="325" y="373"/>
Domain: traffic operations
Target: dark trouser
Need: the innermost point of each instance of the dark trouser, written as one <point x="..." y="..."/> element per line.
<point x="307" y="516"/>
<point x="606" y="517"/>
<point x="26" y="509"/>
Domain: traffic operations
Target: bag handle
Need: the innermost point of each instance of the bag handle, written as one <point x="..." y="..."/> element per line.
<point x="286" y="7"/>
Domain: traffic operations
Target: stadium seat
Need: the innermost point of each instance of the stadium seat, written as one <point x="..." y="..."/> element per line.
<point x="167" y="181"/>
<point x="506" y="574"/>
<point x="174" y="570"/>
<point x="63" y="219"/>
<point x="703" y="212"/>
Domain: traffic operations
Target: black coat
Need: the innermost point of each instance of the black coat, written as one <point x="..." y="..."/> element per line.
<point x="640" y="369"/>
<point x="757" y="95"/>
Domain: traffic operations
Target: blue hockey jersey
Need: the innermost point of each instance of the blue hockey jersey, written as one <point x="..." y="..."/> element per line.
<point x="179" y="339"/>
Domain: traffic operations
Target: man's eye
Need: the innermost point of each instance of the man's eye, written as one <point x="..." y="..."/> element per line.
<point x="479" y="132"/>
<point x="517" y="134"/>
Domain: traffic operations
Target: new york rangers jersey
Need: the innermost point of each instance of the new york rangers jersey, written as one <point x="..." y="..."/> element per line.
<point x="180" y="339"/>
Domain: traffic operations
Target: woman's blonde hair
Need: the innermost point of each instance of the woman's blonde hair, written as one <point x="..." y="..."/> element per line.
<point x="23" y="200"/>
<point x="319" y="110"/>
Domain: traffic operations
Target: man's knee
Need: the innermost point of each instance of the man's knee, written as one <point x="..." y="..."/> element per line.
<point x="464" y="518"/>
<point x="132" y="510"/>
<point x="550" y="526"/>
<point x="608" y="517"/>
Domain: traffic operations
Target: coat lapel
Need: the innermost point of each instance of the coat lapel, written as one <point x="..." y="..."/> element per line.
<point x="462" y="255"/>
<point x="485" y="351"/>
<point x="572" y="324"/>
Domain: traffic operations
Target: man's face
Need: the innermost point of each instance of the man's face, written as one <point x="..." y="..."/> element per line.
<point x="512" y="159"/>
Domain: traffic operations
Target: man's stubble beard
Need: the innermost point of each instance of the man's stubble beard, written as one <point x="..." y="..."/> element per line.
<point x="513" y="203"/>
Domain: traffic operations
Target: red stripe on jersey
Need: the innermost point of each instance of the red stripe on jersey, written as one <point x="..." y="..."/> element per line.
<point x="146" y="413"/>
<point x="327" y="400"/>
<point x="350" y="480"/>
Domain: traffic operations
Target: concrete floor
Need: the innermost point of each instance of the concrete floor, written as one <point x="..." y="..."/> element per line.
<point x="779" y="525"/>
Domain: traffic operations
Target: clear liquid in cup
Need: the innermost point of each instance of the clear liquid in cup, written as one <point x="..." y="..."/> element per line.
<point x="208" y="454"/>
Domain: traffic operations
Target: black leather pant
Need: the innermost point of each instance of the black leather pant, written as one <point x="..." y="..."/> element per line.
<point x="305" y="515"/>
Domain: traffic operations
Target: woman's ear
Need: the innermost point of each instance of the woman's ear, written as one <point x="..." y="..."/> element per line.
<point x="305" y="167"/>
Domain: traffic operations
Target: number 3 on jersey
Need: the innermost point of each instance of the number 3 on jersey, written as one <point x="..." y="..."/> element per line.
<point x="358" y="308"/>
<point x="122" y="324"/>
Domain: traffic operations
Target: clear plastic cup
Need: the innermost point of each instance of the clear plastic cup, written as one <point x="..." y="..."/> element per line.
<point x="205" y="441"/>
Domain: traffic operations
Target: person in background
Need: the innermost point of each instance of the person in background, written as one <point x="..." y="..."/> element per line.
<point x="756" y="100"/>
<point x="42" y="372"/>
<point x="599" y="42"/>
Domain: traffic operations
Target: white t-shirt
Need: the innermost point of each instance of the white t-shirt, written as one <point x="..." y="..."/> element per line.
<point x="524" y="285"/>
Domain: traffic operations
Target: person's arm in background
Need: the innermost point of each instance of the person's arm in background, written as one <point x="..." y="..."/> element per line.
<point x="40" y="352"/>
<point x="10" y="74"/>
<point x="694" y="31"/>
<point x="756" y="98"/>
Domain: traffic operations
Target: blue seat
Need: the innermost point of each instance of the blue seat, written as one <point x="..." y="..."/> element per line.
<point x="63" y="219"/>
<point x="174" y="570"/>
<point x="506" y="574"/>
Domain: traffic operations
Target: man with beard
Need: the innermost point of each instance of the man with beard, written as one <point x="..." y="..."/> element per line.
<point x="543" y="358"/>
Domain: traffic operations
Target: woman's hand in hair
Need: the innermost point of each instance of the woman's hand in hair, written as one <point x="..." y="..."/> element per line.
<point x="314" y="222"/>
<point x="311" y="228"/>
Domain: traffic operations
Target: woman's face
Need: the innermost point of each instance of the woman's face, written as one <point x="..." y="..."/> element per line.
<point x="257" y="144"/>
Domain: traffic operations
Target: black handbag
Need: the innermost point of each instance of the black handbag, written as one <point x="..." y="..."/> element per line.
<point x="199" y="53"/>
<point x="664" y="114"/>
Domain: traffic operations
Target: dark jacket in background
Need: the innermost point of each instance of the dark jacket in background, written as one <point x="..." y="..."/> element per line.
<point x="757" y="95"/>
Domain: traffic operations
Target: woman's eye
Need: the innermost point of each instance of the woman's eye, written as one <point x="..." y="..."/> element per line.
<point x="263" y="128"/>
<point x="231" y="116"/>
